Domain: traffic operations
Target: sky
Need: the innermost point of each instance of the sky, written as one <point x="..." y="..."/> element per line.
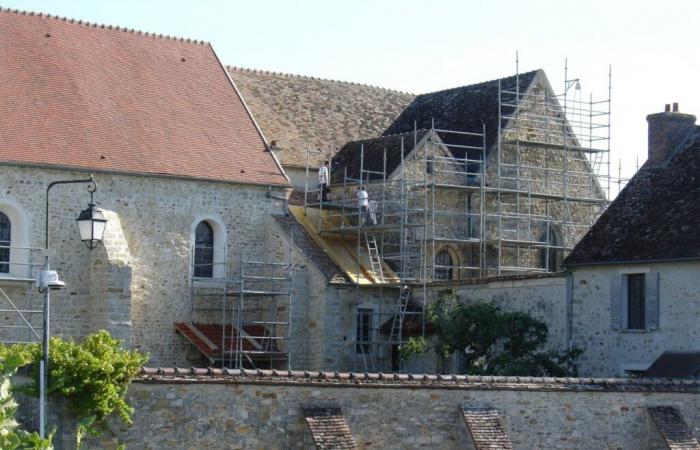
<point x="653" y="47"/>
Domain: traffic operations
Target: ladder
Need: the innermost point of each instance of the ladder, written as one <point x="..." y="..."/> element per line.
<point x="397" y="323"/>
<point x="374" y="258"/>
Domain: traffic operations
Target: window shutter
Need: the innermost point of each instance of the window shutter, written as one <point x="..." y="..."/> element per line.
<point x="651" y="306"/>
<point x="616" y="302"/>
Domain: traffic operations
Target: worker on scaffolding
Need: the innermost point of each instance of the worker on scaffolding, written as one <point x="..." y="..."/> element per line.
<point x="324" y="181"/>
<point x="362" y="204"/>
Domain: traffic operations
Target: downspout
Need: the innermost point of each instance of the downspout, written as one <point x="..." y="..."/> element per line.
<point x="569" y="309"/>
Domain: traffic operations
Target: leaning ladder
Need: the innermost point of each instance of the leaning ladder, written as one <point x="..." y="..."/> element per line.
<point x="399" y="316"/>
<point x="374" y="258"/>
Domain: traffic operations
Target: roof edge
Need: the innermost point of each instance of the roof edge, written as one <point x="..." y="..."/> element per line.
<point x="413" y="381"/>
<point x="250" y="114"/>
<point x="136" y="174"/>
<point x="627" y="262"/>
<point x="306" y="77"/>
<point x="102" y="25"/>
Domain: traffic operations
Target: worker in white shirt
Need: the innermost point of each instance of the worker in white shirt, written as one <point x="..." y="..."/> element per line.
<point x="362" y="203"/>
<point x="324" y="181"/>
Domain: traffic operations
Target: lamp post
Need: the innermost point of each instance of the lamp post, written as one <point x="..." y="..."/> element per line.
<point x="91" y="226"/>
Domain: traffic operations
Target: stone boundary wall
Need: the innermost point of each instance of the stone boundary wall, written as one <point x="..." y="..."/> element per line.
<point x="211" y="408"/>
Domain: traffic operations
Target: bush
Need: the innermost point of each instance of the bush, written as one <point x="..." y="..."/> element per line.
<point x="93" y="376"/>
<point x="492" y="342"/>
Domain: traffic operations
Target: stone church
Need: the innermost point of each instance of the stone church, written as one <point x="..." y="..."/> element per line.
<point x="218" y="251"/>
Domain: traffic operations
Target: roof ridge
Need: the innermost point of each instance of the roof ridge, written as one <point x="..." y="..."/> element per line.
<point x="308" y="77"/>
<point x="101" y="25"/>
<point x="483" y="82"/>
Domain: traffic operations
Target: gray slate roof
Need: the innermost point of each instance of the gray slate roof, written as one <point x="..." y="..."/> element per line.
<point x="463" y="108"/>
<point x="373" y="159"/>
<point x="675" y="365"/>
<point x="654" y="218"/>
<point x="467" y="108"/>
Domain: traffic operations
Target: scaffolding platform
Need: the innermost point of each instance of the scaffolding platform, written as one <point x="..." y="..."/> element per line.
<point x="343" y="250"/>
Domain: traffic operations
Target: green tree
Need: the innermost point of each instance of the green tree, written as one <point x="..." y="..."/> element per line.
<point x="490" y="341"/>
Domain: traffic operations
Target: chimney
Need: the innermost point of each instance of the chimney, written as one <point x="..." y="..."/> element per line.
<point x="667" y="131"/>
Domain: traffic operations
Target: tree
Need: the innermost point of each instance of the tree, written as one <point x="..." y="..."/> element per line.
<point x="490" y="341"/>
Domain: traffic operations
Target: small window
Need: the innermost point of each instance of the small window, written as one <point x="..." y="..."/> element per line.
<point x="364" y="331"/>
<point x="204" y="250"/>
<point x="5" y="233"/>
<point x="636" y="301"/>
<point x="444" y="265"/>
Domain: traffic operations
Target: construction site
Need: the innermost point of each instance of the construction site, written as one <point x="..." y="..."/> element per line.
<point x="446" y="205"/>
<point x="508" y="188"/>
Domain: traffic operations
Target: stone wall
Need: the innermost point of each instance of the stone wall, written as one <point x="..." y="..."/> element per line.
<point x="610" y="352"/>
<point x="140" y="279"/>
<point x="264" y="411"/>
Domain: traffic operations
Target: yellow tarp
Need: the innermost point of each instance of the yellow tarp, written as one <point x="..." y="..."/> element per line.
<point x="342" y="248"/>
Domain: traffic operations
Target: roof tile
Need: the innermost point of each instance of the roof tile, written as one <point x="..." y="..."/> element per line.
<point x="101" y="98"/>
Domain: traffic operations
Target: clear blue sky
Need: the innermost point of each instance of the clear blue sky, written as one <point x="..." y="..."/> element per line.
<point x="419" y="46"/>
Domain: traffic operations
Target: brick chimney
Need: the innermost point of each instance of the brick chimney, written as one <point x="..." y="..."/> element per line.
<point x="667" y="131"/>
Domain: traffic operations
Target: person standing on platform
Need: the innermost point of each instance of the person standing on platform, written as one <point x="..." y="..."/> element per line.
<point x="324" y="181"/>
<point x="362" y="203"/>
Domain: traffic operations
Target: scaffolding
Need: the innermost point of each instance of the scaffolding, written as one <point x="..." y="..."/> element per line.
<point x="20" y="309"/>
<point x="241" y="317"/>
<point x="515" y="205"/>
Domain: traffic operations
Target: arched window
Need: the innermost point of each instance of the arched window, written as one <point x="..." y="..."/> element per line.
<point x="5" y="239"/>
<point x="550" y="256"/>
<point x="204" y="250"/>
<point x="444" y="265"/>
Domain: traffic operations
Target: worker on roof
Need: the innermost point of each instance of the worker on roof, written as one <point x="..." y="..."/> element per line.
<point x="324" y="181"/>
<point x="362" y="203"/>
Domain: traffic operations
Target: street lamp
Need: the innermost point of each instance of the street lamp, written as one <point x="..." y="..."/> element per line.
<point x="91" y="223"/>
<point x="91" y="226"/>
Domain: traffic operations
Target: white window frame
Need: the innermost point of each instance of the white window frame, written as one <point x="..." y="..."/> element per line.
<point x="220" y="239"/>
<point x="19" y="239"/>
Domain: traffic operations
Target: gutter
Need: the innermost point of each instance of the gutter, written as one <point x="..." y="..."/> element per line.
<point x="641" y="261"/>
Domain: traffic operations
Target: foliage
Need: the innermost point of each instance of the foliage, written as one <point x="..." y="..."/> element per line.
<point x="93" y="376"/>
<point x="11" y="436"/>
<point x="492" y="342"/>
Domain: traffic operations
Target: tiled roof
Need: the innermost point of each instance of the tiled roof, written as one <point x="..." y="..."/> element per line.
<point x="329" y="428"/>
<point x="414" y="381"/>
<point x="298" y="112"/>
<point x="676" y="433"/>
<point x="485" y="428"/>
<point x="373" y="155"/>
<point x="102" y="98"/>
<point x="655" y="217"/>
<point x="209" y="339"/>
<point x="675" y="365"/>
<point x="464" y="109"/>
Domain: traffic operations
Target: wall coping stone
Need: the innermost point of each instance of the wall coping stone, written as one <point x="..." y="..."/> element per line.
<point x="176" y="375"/>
